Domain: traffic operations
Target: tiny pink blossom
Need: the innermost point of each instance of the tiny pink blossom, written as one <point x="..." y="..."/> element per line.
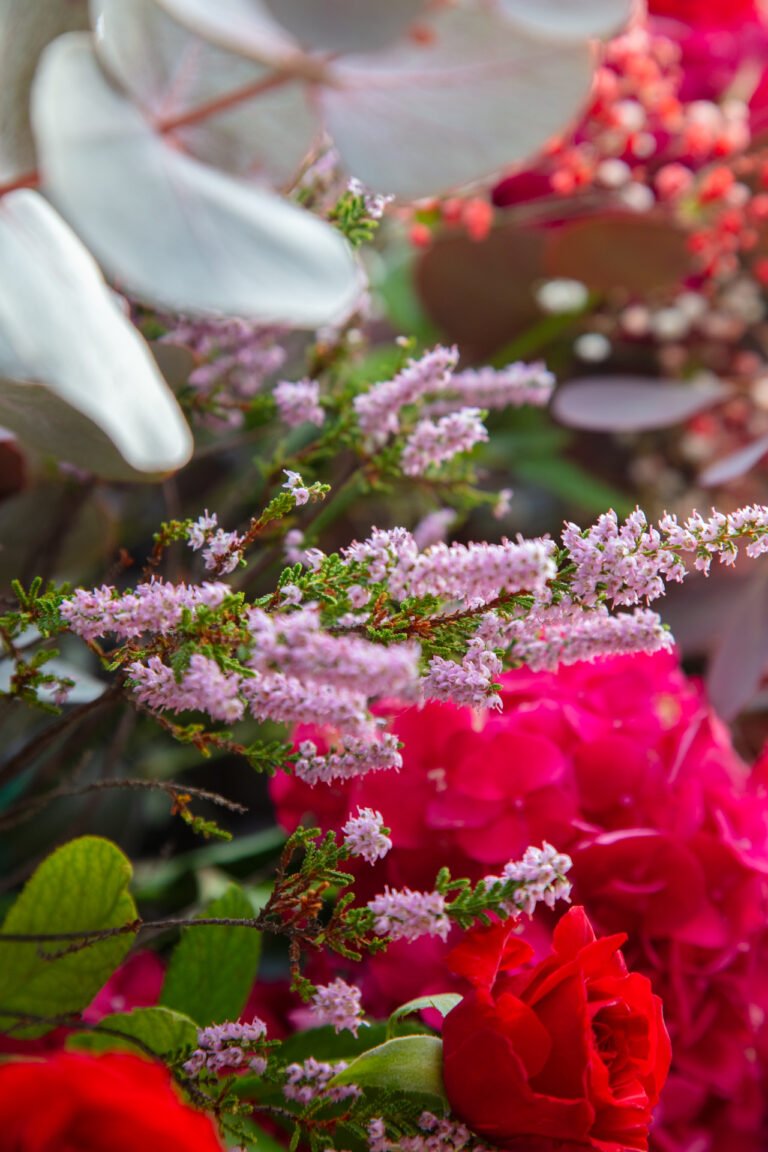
<point x="338" y="1003"/>
<point x="364" y="835"/>
<point x="296" y="487"/>
<point x="299" y="402"/>
<point x="406" y="915"/>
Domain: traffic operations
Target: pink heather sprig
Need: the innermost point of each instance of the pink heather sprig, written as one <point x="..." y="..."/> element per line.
<point x="435" y="442"/>
<point x="375" y="202"/>
<point x="444" y="1135"/>
<point x="467" y="684"/>
<point x="378" y="410"/>
<point x="541" y="878"/>
<point x="296" y="644"/>
<point x="299" y="402"/>
<point x="152" y="607"/>
<point x="366" y="836"/>
<point x="309" y="1081"/>
<point x="228" y="1047"/>
<point x="203" y="688"/>
<point x="377" y="1136"/>
<point x="566" y="634"/>
<point x="356" y="756"/>
<point x="222" y="551"/>
<point x="473" y="573"/>
<point x="406" y="915"/>
<point x="235" y="358"/>
<point x="631" y="562"/>
<point x="287" y="700"/>
<point x="509" y="387"/>
<point x="338" y="1003"/>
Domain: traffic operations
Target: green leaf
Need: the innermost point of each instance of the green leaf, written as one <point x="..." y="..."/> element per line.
<point x="82" y="887"/>
<point x="410" y="1064"/>
<point x="164" y="1031"/>
<point x="213" y="968"/>
<point x="442" y="1001"/>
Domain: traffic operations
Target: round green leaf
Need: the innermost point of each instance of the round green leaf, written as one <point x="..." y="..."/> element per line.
<point x="81" y="887"/>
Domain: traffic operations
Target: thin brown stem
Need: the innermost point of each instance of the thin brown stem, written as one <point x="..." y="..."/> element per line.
<point x="29" y="808"/>
<point x="50" y="735"/>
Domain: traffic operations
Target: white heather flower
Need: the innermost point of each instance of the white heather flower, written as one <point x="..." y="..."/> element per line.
<point x="338" y="1003"/>
<point x="290" y="594"/>
<point x="313" y="557"/>
<point x="364" y="835"/>
<point x="198" y="532"/>
<point x="295" y="486"/>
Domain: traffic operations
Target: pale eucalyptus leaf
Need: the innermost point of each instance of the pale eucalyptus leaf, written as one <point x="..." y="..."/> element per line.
<point x="175" y="75"/>
<point x="633" y="403"/>
<point x="474" y="96"/>
<point x="167" y="229"/>
<point x="77" y="381"/>
<point x="26" y="26"/>
<point x="345" y="25"/>
<point x="570" y="19"/>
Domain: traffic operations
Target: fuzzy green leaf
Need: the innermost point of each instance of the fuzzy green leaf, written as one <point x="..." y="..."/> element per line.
<point x="164" y="1031"/>
<point x="80" y="887"/>
<point x="442" y="1001"/>
<point x="213" y="968"/>
<point x="410" y="1064"/>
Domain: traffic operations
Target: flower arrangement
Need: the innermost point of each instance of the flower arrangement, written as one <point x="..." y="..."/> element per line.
<point x="320" y="702"/>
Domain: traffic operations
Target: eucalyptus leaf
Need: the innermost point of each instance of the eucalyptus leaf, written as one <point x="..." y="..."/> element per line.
<point x="741" y="654"/>
<point x="76" y="379"/>
<point x="170" y="230"/>
<point x="633" y="403"/>
<point x="410" y="1064"/>
<point x="213" y="968"/>
<point x="245" y="26"/>
<point x="172" y="74"/>
<point x="566" y="20"/>
<point x="345" y="25"/>
<point x="735" y="464"/>
<point x="25" y="29"/>
<point x="81" y="887"/>
<point x="475" y="95"/>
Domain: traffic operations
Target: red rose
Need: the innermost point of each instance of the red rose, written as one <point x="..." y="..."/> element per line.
<point x="110" y="1103"/>
<point x="572" y="1052"/>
